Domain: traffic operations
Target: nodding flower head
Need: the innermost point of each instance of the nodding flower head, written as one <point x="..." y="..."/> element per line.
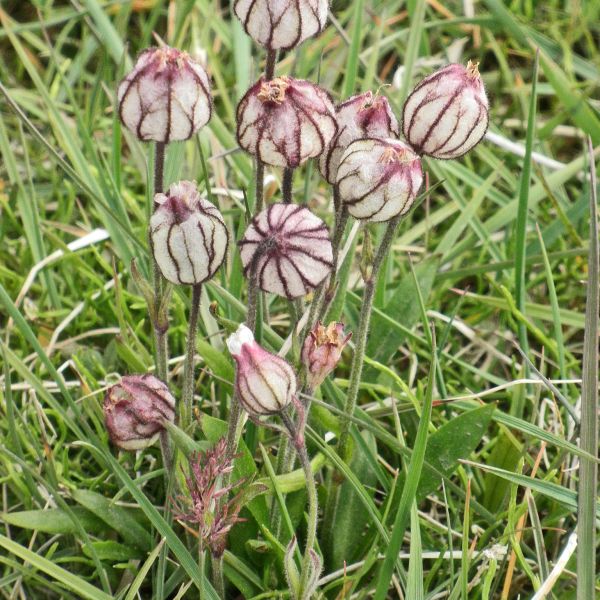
<point x="446" y="115"/>
<point x="189" y="237"/>
<point x="166" y="97"/>
<point x="264" y="382"/>
<point x="285" y="121"/>
<point x="135" y="410"/>
<point x="287" y="249"/>
<point x="379" y="179"/>
<point x="364" y="115"/>
<point x="281" y="24"/>
<point x="322" y="351"/>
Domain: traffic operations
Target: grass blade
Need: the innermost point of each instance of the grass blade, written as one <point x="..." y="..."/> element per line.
<point x="521" y="233"/>
<point x="410" y="487"/>
<point x="588" y="470"/>
<point x="72" y="582"/>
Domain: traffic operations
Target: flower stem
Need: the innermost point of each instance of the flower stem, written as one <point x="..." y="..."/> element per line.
<point x="286" y="187"/>
<point x="160" y="331"/>
<point x="270" y="64"/>
<point x="188" y="371"/>
<point x="356" y="371"/>
<point x="361" y="336"/>
<point x="313" y="503"/>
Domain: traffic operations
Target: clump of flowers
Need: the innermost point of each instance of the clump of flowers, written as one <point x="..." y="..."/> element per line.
<point x="135" y="411"/>
<point x="204" y="508"/>
<point x="166" y="97"/>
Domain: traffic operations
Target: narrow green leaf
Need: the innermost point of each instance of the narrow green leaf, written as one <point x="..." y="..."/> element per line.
<point x="588" y="470"/>
<point x="521" y="225"/>
<point x="409" y="490"/>
<point x="70" y="581"/>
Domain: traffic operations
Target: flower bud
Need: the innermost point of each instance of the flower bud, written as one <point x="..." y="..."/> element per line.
<point x="364" y="115"/>
<point x="446" y="115"/>
<point x="379" y="179"/>
<point x="265" y="383"/>
<point x="135" y="410"/>
<point x="322" y="350"/>
<point x="166" y="98"/>
<point x="281" y="24"/>
<point x="286" y="121"/>
<point x="188" y="235"/>
<point x="288" y="248"/>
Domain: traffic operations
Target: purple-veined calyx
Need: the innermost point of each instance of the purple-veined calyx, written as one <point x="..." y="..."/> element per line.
<point x="166" y="97"/>
<point x="281" y="24"/>
<point x="446" y="115"/>
<point x="285" y="121"/>
<point x="135" y="410"/>
<point x="287" y="249"/>
<point x="363" y="115"/>
<point x="264" y="382"/>
<point x="188" y="235"/>
<point x="378" y="179"/>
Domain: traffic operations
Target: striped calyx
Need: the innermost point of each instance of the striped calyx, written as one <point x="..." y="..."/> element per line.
<point x="379" y="179"/>
<point x="264" y="382"/>
<point x="285" y="121"/>
<point x="135" y="410"/>
<point x="364" y="115"/>
<point x="446" y="115"/>
<point x="166" y="97"/>
<point x="188" y="235"/>
<point x="281" y="24"/>
<point x="287" y="248"/>
<point x="322" y="351"/>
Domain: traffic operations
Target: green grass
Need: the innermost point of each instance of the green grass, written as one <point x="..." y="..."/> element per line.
<point x="495" y="259"/>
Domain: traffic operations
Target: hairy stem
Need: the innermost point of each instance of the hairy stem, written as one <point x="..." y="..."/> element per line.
<point x="259" y="199"/>
<point x="356" y="372"/>
<point x="361" y="336"/>
<point x="313" y="502"/>
<point x="286" y="186"/>
<point x="188" y="370"/>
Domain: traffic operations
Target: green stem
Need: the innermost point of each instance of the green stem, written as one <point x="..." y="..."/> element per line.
<point x="361" y="335"/>
<point x="188" y="370"/>
<point x="202" y="567"/>
<point x="217" y="575"/>
<point x="356" y="370"/>
<point x="313" y="503"/>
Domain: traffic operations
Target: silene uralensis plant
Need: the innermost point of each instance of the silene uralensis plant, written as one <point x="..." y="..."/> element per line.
<point x="286" y="250"/>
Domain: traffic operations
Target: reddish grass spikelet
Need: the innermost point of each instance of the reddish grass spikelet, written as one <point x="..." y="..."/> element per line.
<point x="204" y="507"/>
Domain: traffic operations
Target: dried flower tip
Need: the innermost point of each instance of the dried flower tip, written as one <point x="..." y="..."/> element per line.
<point x="288" y="249"/>
<point x="166" y="97"/>
<point x="286" y="121"/>
<point x="281" y="24"/>
<point x="322" y="350"/>
<point x="364" y="115"/>
<point x="446" y="115"/>
<point x="135" y="410"/>
<point x="379" y="179"/>
<point x="264" y="382"/>
<point x="188" y="235"/>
